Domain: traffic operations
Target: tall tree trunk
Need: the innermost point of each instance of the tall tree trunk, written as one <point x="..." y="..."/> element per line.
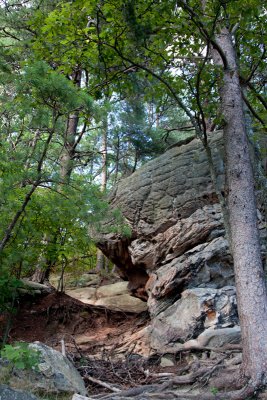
<point x="68" y="150"/>
<point x="117" y="159"/>
<point x="100" y="258"/>
<point x="45" y="265"/>
<point x="66" y="158"/>
<point x="245" y="242"/>
<point x="42" y="273"/>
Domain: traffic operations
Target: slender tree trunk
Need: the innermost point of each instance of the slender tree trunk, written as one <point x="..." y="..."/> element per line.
<point x="104" y="156"/>
<point x="66" y="158"/>
<point x="32" y="147"/>
<point x="100" y="258"/>
<point x="117" y="160"/>
<point x="245" y="242"/>
<point x="68" y="151"/>
<point x="44" y="265"/>
<point x="17" y="216"/>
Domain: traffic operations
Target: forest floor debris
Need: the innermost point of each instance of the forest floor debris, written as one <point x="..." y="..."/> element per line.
<point x="90" y="337"/>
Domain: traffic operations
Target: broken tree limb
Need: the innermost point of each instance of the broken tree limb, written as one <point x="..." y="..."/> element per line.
<point x="77" y="396"/>
<point x="101" y="383"/>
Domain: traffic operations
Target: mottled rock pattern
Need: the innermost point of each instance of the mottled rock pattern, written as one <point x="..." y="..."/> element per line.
<point x="197" y="310"/>
<point x="55" y="374"/>
<point x="171" y="206"/>
<point x="168" y="188"/>
<point x="6" y="393"/>
<point x="177" y="253"/>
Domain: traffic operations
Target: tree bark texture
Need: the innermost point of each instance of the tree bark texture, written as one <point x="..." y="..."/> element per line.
<point x="68" y="151"/>
<point x="100" y="258"/>
<point x="245" y="241"/>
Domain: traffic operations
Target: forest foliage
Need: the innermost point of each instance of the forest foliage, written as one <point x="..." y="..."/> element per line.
<point x="136" y="77"/>
<point x="42" y="216"/>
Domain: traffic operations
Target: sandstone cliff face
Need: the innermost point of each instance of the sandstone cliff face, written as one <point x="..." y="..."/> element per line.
<point x="178" y="240"/>
<point x="171" y="206"/>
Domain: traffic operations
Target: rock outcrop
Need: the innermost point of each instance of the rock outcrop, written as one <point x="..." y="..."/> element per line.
<point x="115" y="296"/>
<point x="171" y="207"/>
<point x="177" y="254"/>
<point x="201" y="313"/>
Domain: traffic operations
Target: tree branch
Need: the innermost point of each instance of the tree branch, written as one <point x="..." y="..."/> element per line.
<point x="253" y="111"/>
<point x="199" y="24"/>
<point x="253" y="70"/>
<point x="258" y="95"/>
<point x="162" y="80"/>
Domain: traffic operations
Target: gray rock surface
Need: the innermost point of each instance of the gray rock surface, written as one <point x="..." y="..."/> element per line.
<point x="198" y="309"/>
<point x="167" y="361"/>
<point x="171" y="207"/>
<point x="33" y="288"/>
<point x="163" y="193"/>
<point x="114" y="289"/>
<point x="177" y="255"/>
<point x="206" y="265"/>
<point x="55" y="374"/>
<point x="6" y="393"/>
<point x="215" y="338"/>
<point x="115" y="296"/>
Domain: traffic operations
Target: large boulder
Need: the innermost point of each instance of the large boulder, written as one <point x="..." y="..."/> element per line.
<point x="115" y="296"/>
<point x="197" y="310"/>
<point x="177" y="255"/>
<point x="172" y="209"/>
<point x="55" y="374"/>
<point x="6" y="393"/>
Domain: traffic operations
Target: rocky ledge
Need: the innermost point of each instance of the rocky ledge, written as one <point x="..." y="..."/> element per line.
<point x="177" y="256"/>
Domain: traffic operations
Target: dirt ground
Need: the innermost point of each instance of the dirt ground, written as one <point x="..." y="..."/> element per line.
<point x="56" y="316"/>
<point x="90" y="335"/>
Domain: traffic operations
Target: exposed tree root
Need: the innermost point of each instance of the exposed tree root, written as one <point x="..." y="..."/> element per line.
<point x="170" y="389"/>
<point x="205" y="379"/>
<point x="158" y="392"/>
<point x="171" y="395"/>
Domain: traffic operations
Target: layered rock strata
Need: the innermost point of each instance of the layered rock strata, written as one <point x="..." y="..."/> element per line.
<point x="177" y="255"/>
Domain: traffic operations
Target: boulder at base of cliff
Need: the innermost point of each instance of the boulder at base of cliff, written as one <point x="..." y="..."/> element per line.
<point x="6" y="393"/>
<point x="55" y="374"/>
<point x="199" y="310"/>
<point x="115" y="296"/>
